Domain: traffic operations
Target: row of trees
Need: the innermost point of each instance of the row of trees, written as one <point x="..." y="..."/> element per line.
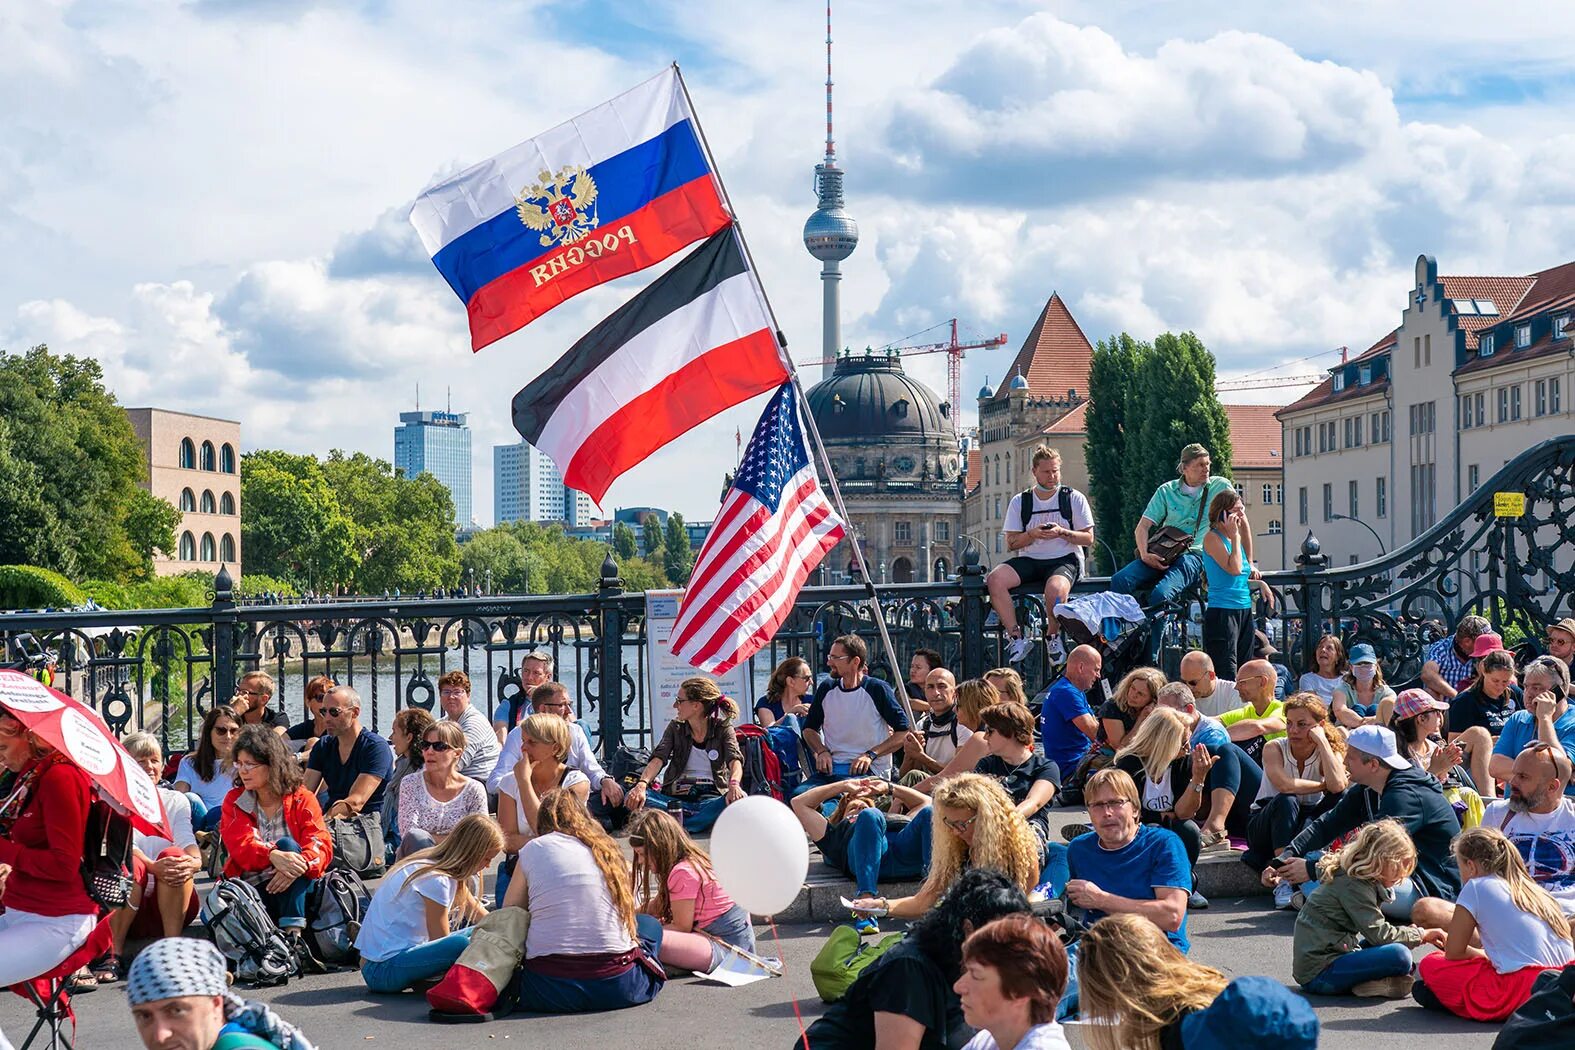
<point x="526" y="557"/>
<point x="1146" y="401"/>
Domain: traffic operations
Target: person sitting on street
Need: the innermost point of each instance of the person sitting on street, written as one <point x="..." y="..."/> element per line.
<point x="855" y="722"/>
<point x="1417" y="719"/>
<point x="1214" y="695"/>
<point x="1538" y="816"/>
<point x="1030" y="778"/>
<point x="972" y="697"/>
<point x="905" y="999"/>
<point x="1227" y="617"/>
<point x="704" y="767"/>
<point x="1067" y="723"/>
<point x="698" y="917"/>
<point x="433" y="802"/>
<point x="1014" y="972"/>
<point x="940" y="732"/>
<point x="1547" y="716"/>
<point x="1171" y="783"/>
<point x="1008" y="683"/>
<point x="1559" y="640"/>
<point x="304" y="734"/>
<point x="351" y="763"/>
<point x="178" y="990"/>
<point x="586" y="949"/>
<point x="205" y="775"/>
<point x="920" y="664"/>
<point x="1362" y="696"/>
<point x="1479" y="712"/>
<point x="253" y="693"/>
<point x="790" y="683"/>
<point x="1046" y="529"/>
<point x="1448" y="663"/>
<point x="1328" y="673"/>
<point x="274" y="831"/>
<point x="481" y="743"/>
<point x="406" y="934"/>
<point x="539" y="769"/>
<point x="1135" y="697"/>
<point x="409" y="729"/>
<point x="535" y="670"/>
<point x="1346" y="910"/>
<point x="866" y="842"/>
<point x="1232" y="779"/>
<point x="163" y="899"/>
<point x="1261" y="718"/>
<point x="1303" y="777"/>
<point x="551" y="698"/>
<point x="1384" y="783"/>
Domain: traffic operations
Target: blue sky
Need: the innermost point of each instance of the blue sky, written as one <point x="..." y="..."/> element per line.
<point x="209" y="196"/>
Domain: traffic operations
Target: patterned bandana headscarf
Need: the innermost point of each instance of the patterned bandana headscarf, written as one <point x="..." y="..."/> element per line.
<point x="175" y="967"/>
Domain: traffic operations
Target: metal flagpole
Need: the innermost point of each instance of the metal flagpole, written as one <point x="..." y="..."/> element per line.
<point x="871" y="595"/>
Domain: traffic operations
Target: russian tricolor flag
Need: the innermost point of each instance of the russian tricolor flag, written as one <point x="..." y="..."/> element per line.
<point x="614" y="190"/>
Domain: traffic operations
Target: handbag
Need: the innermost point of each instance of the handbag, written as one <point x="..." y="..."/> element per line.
<point x="358" y="844"/>
<point x="1546" y="1021"/>
<point x="1171" y="541"/>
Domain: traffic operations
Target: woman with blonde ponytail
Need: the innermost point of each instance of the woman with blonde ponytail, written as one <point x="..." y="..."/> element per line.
<point x="1522" y="929"/>
<point x="704" y="767"/>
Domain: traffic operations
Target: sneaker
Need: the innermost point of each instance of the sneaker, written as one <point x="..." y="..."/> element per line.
<point x="1019" y="649"/>
<point x="1197" y="901"/>
<point x="1283" y="892"/>
<point x="1385" y="988"/>
<point x="1072" y="831"/>
<point x="866" y="925"/>
<point x="1056" y="648"/>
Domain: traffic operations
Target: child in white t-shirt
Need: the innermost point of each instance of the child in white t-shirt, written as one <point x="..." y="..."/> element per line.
<point x="405" y="936"/>
<point x="1522" y="929"/>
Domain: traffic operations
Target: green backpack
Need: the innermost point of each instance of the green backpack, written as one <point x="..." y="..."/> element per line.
<point x="844" y="956"/>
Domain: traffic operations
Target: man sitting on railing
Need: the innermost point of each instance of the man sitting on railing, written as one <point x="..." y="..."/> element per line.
<point x="855" y="722"/>
<point x="350" y="761"/>
<point x="535" y="671"/>
<point x="551" y="698"/>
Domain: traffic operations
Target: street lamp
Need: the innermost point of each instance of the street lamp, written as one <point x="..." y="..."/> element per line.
<point x="1346" y="517"/>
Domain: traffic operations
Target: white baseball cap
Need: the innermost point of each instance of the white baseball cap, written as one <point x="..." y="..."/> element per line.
<point x="1379" y="743"/>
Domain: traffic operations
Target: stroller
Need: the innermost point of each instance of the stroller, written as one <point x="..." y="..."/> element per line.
<point x="1114" y="624"/>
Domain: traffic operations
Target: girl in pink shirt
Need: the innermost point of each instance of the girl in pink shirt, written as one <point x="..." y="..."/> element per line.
<point x="675" y="879"/>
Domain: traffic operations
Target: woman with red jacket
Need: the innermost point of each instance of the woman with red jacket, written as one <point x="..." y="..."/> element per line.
<point x="273" y="830"/>
<point x="43" y="820"/>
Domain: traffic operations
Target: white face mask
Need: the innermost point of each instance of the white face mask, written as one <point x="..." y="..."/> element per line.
<point x="1364" y="672"/>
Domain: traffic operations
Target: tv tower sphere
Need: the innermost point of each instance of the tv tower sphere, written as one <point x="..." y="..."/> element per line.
<point x="830" y="234"/>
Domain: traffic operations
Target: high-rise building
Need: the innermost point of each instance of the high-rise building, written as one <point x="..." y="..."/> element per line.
<point x="527" y="486"/>
<point x="437" y="443"/>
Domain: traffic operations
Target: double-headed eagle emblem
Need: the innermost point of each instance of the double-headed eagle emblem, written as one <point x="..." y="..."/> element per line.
<point x="561" y="206"/>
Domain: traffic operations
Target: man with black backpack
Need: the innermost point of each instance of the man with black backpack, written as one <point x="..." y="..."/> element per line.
<point x="1046" y="528"/>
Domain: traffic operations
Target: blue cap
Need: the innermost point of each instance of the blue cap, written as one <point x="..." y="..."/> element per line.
<point x="1253" y="1011"/>
<point x="1362" y="654"/>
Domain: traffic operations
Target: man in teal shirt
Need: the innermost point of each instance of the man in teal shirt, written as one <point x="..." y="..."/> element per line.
<point x="1183" y="503"/>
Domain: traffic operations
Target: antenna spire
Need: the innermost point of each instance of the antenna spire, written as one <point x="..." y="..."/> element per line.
<point x="831" y="146"/>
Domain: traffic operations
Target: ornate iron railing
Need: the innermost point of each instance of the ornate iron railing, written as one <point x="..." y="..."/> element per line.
<point x="162" y="668"/>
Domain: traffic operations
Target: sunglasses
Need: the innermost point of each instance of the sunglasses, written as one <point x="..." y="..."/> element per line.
<point x="959" y="826"/>
<point x="254" y="692"/>
<point x="226" y="731"/>
<point x="436" y="745"/>
<point x="335" y="712"/>
<point x="637" y="841"/>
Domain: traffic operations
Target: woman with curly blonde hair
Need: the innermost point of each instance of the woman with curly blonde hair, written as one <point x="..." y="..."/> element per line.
<point x="976" y="825"/>
<point x="1303" y="777"/>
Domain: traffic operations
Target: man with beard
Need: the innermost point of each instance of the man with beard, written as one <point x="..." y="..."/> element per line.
<point x="1537" y="817"/>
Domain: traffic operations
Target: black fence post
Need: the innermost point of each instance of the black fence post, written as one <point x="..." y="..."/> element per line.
<point x="223" y="619"/>
<point x="970" y="613"/>
<point x="1312" y="562"/>
<point x="610" y="615"/>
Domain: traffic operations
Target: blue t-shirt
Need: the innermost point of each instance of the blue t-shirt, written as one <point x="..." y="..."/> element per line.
<point x="1521" y="729"/>
<point x="370" y="754"/>
<point x="1211" y="733"/>
<point x="1065" y="744"/>
<point x="1154" y="857"/>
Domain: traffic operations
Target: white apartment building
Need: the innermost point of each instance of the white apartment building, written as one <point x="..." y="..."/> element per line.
<point x="1477" y="372"/>
<point x="527" y="486"/>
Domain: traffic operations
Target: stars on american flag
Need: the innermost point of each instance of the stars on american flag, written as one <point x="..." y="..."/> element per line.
<point x="776" y="451"/>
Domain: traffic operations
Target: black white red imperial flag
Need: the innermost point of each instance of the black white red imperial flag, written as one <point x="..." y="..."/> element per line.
<point x="696" y="341"/>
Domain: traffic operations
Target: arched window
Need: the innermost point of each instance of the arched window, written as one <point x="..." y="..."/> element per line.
<point x="188" y="501"/>
<point x="207" y="455"/>
<point x="1008" y="468"/>
<point x="188" y="547"/>
<point x="227" y="458"/>
<point x="208" y="551"/>
<point x="226" y="504"/>
<point x="227" y="548"/>
<point x="188" y="454"/>
<point x="208" y="506"/>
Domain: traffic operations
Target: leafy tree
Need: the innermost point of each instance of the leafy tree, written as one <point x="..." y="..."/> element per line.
<point x="677" y="558"/>
<point x="29" y="532"/>
<point x="150" y="526"/>
<point x="651" y="536"/>
<point x="642" y="574"/>
<point x="498" y="551"/>
<point x="1111" y="376"/>
<point x="30" y="587"/>
<point x="292" y="524"/>
<point x="1173" y="403"/>
<point x="623" y="540"/>
<point x="255" y="585"/>
<point x="403" y="527"/>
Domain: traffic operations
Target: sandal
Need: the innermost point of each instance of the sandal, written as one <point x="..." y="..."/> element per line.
<point x="106" y="968"/>
<point x="81" y="981"/>
<point x="1215" y="840"/>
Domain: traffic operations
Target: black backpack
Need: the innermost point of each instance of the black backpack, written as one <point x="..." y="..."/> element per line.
<point x="1025" y="506"/>
<point x="337" y="909"/>
<point x="246" y="935"/>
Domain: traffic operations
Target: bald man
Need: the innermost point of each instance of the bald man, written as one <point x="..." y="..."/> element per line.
<point x="1068" y="724"/>
<point x="1214" y="695"/>
<point x="935" y="740"/>
<point x="1261" y="718"/>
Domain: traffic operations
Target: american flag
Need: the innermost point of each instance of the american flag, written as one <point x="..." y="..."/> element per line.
<point x="774" y="527"/>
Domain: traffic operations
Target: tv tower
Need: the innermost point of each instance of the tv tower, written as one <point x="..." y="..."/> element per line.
<point x="830" y="235"/>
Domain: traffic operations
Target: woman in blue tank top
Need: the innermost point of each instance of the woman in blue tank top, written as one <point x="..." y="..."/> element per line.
<point x="1227" y="620"/>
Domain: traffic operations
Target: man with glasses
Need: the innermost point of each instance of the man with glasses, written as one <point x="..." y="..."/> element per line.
<point x="855" y="722"/>
<point x="481" y="745"/>
<point x="350" y="762"/>
<point x="250" y="702"/>
<point x="535" y="671"/>
<point x="551" y="698"/>
<point x="1538" y="817"/>
<point x="1561" y="640"/>
<point x="1261" y="718"/>
<point x="1213" y="694"/>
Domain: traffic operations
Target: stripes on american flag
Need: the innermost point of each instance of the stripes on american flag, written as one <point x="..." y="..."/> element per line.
<point x="774" y="527"/>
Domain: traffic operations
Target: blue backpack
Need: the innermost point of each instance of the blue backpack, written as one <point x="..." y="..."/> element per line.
<point x="785" y="743"/>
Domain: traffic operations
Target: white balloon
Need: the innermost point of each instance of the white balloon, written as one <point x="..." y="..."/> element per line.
<point x="760" y="854"/>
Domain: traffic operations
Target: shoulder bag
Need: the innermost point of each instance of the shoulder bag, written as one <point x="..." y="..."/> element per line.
<point x="1170" y="542"/>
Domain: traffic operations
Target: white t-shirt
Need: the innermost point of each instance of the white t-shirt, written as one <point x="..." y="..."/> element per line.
<point x="1546" y="842"/>
<point x="1047" y="511"/>
<point x="938" y="743"/>
<point x="1513" y="939"/>
<point x="571" y="910"/>
<point x="211" y="792"/>
<point x="1313" y="682"/>
<point x="1048" y="1036"/>
<point x="853" y="725"/>
<point x="177" y="807"/>
<point x="1157" y="794"/>
<point x="509" y="786"/>
<point x="396" y="920"/>
<point x="1224" y="698"/>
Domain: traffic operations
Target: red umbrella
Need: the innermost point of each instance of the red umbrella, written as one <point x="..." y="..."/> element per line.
<point x="77" y="732"/>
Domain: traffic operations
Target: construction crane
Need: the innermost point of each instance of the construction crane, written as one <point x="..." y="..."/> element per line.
<point x="954" y="350"/>
<point x="1306" y="379"/>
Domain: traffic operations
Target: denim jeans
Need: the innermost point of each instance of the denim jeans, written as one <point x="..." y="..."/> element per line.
<point x="203" y="817"/>
<point x="421" y="963"/>
<point x="1067" y="1007"/>
<point x="875" y="852"/>
<point x="505" y="876"/>
<point x="1055" y="870"/>
<point x="731" y="927"/>
<point x="1364" y="964"/>
<point x="698" y="817"/>
<point x="415" y="839"/>
<point x="1276" y="821"/>
<point x="545" y="994"/>
<point x="288" y="907"/>
<point x="1162" y="585"/>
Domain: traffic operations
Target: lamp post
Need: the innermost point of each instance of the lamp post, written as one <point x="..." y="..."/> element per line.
<point x="1346" y="517"/>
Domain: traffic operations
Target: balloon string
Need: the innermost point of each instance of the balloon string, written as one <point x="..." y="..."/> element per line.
<point x="802" y="1031"/>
